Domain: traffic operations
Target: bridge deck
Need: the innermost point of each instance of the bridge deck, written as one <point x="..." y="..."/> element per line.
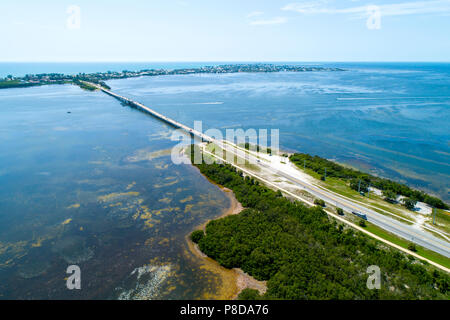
<point x="154" y="113"/>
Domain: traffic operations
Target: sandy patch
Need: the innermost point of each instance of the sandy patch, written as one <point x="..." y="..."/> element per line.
<point x="423" y="208"/>
<point x="246" y="281"/>
<point x="376" y="191"/>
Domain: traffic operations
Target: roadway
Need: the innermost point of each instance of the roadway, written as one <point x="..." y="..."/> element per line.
<point x="394" y="226"/>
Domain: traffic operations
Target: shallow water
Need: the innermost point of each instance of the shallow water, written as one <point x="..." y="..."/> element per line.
<point x="97" y="188"/>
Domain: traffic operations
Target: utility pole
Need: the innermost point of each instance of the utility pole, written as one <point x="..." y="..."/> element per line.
<point x="434" y="215"/>
<point x="368" y="191"/>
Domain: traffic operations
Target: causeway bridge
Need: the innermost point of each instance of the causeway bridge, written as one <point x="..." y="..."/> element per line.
<point x="152" y="112"/>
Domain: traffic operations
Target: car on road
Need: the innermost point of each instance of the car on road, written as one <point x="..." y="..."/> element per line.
<point x="359" y="214"/>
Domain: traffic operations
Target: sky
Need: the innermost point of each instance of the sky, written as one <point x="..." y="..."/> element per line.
<point x="231" y="30"/>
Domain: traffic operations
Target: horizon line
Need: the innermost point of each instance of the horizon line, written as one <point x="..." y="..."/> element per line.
<point x="234" y="61"/>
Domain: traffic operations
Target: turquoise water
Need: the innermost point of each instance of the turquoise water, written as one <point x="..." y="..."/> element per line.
<point x="388" y="119"/>
<point x="96" y="188"/>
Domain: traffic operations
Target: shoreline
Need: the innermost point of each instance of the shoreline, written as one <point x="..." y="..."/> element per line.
<point x="233" y="280"/>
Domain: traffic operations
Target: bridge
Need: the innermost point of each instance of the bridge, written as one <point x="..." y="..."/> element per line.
<point x="152" y="112"/>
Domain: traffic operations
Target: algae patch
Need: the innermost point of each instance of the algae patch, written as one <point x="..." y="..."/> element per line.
<point x="67" y="221"/>
<point x="116" y="195"/>
<point x="171" y="182"/>
<point x="186" y="199"/>
<point x="147" y="155"/>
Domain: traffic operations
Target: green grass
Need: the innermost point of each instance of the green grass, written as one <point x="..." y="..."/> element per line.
<point x="443" y="217"/>
<point x="428" y="254"/>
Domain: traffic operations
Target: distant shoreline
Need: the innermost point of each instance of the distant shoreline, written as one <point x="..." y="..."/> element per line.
<point x="100" y="77"/>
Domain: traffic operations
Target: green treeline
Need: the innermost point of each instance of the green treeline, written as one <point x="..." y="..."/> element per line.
<point x="15" y="84"/>
<point x="318" y="165"/>
<point x="84" y="85"/>
<point x="304" y="255"/>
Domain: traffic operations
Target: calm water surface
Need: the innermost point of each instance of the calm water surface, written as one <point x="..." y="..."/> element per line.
<point x="95" y="187"/>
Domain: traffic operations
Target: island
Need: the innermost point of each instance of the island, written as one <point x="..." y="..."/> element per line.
<point x="100" y="77"/>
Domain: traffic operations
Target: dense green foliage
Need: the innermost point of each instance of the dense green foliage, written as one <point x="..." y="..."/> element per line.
<point x="304" y="255"/>
<point x="318" y="165"/>
<point x="409" y="203"/>
<point x="249" y="294"/>
<point x="359" y="185"/>
<point x="197" y="235"/>
<point x="15" y="84"/>
<point x="257" y="148"/>
<point x="84" y="85"/>
<point x="389" y="196"/>
<point x="319" y="202"/>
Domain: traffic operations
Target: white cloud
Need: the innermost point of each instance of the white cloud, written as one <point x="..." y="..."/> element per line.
<point x="255" y="14"/>
<point x="395" y="9"/>
<point x="276" y="20"/>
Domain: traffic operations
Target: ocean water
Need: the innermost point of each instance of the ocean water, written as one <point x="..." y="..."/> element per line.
<point x="96" y="187"/>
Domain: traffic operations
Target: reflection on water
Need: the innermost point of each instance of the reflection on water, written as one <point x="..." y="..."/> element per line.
<point x="96" y="188"/>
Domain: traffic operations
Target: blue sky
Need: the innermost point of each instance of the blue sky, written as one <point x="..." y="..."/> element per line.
<point x="250" y="30"/>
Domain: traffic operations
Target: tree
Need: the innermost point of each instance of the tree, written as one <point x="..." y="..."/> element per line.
<point x="340" y="211"/>
<point x="412" y="247"/>
<point x="249" y="294"/>
<point x="197" y="235"/>
<point x="409" y="203"/>
<point x="389" y="196"/>
<point x="359" y="185"/>
<point x="319" y="202"/>
<point x="362" y="223"/>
